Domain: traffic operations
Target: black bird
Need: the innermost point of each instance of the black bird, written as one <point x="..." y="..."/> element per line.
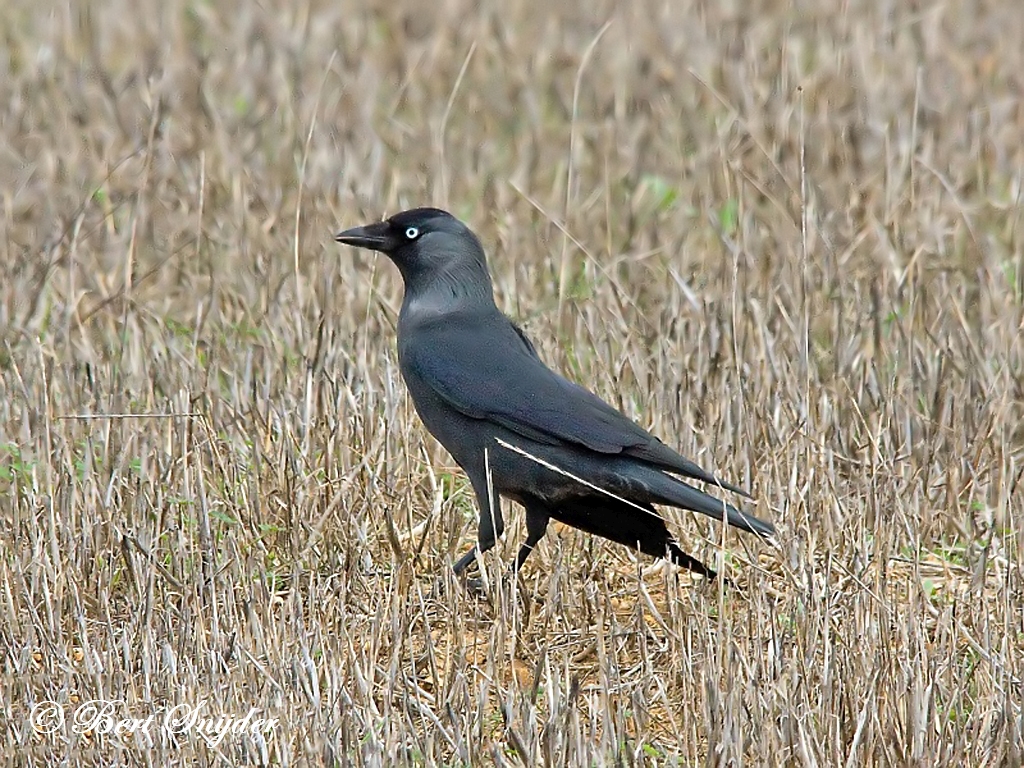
<point x="516" y="427"/>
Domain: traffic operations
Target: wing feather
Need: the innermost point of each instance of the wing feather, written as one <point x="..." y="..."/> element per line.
<point x="486" y="368"/>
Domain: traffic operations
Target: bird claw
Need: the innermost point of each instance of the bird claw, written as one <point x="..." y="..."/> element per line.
<point x="491" y="591"/>
<point x="475" y="587"/>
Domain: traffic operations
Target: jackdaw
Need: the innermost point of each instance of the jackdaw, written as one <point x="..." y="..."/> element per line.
<point x="517" y="428"/>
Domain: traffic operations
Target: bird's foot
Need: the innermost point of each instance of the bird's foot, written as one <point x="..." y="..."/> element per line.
<point x="476" y="587"/>
<point x="496" y="592"/>
<point x="472" y="579"/>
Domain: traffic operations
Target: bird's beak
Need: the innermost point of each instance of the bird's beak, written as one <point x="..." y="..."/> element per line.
<point x="372" y="236"/>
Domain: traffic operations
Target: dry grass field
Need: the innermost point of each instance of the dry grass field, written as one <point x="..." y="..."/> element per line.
<point x="785" y="236"/>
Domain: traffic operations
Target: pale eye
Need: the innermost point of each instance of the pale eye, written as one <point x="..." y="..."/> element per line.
<point x="412" y="233"/>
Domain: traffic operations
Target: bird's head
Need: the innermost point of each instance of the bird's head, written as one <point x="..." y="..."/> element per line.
<point x="429" y="246"/>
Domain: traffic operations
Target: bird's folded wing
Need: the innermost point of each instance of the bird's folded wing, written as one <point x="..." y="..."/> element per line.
<point x="489" y="371"/>
<point x="486" y="368"/>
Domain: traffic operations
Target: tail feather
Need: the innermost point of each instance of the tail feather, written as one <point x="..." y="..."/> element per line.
<point x="666" y="489"/>
<point x="660" y="455"/>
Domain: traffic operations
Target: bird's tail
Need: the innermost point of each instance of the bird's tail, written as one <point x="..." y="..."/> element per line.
<point x="666" y="489"/>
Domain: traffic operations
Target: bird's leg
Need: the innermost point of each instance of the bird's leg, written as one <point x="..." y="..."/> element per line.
<point x="537" y="518"/>
<point x="536" y="526"/>
<point x="491" y="524"/>
<point x="474" y="584"/>
<point x="465" y="561"/>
